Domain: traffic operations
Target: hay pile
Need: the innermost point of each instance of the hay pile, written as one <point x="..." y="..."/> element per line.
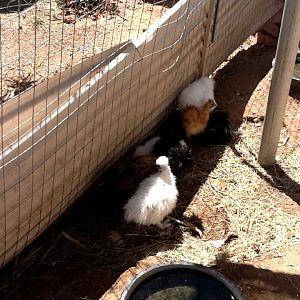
<point x="258" y="214"/>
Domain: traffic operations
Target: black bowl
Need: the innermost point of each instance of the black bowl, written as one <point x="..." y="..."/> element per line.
<point x="295" y="84"/>
<point x="182" y="281"/>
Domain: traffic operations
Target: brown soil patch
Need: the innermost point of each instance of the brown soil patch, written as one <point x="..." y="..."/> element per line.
<point x="271" y="279"/>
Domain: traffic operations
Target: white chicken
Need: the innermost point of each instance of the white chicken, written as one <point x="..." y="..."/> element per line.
<point x="154" y="199"/>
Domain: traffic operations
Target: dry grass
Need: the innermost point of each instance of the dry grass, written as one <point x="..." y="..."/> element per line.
<point x="257" y="212"/>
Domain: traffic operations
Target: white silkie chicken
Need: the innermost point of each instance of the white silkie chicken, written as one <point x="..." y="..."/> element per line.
<point x="196" y="102"/>
<point x="154" y="199"/>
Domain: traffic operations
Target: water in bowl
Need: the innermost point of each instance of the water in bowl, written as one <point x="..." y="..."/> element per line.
<point x="185" y="284"/>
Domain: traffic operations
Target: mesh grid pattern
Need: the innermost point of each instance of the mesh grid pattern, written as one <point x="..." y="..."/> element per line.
<point x="96" y="81"/>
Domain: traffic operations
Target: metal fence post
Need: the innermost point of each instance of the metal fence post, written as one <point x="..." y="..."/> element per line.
<point x="281" y="79"/>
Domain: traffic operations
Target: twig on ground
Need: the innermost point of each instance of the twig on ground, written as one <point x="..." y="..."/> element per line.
<point x="187" y="224"/>
<point x="284" y="142"/>
<point x="226" y="240"/>
<point x="71" y="239"/>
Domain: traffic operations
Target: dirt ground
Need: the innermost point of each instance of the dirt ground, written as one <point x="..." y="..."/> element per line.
<point x="88" y="248"/>
<point x="272" y="278"/>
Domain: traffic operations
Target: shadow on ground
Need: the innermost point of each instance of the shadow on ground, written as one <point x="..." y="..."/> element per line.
<point x="279" y="178"/>
<point x="284" y="183"/>
<point x="260" y="283"/>
<point x="82" y="254"/>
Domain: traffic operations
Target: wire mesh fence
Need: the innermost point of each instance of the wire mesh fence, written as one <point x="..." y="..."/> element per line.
<point x="83" y="80"/>
<point x="51" y="36"/>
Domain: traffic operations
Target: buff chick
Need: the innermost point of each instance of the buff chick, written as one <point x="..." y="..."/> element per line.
<point x="194" y="119"/>
<point x="196" y="102"/>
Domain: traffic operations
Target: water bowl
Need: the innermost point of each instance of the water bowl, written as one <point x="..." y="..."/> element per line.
<point x="182" y="281"/>
<point x="295" y="84"/>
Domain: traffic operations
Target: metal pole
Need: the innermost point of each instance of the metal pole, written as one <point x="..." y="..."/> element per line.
<point x="281" y="80"/>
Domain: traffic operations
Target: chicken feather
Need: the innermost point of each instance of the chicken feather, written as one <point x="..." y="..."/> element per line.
<point x="197" y="93"/>
<point x="196" y="102"/>
<point x="155" y="197"/>
<point x="194" y="119"/>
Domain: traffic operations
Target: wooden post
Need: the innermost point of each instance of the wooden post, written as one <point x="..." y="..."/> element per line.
<point x="281" y="80"/>
<point x="212" y="10"/>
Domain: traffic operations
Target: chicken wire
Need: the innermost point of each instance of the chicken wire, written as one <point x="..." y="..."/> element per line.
<point x="51" y="36"/>
<point x="84" y="80"/>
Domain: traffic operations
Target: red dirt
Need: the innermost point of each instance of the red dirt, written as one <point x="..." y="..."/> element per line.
<point x="270" y="279"/>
